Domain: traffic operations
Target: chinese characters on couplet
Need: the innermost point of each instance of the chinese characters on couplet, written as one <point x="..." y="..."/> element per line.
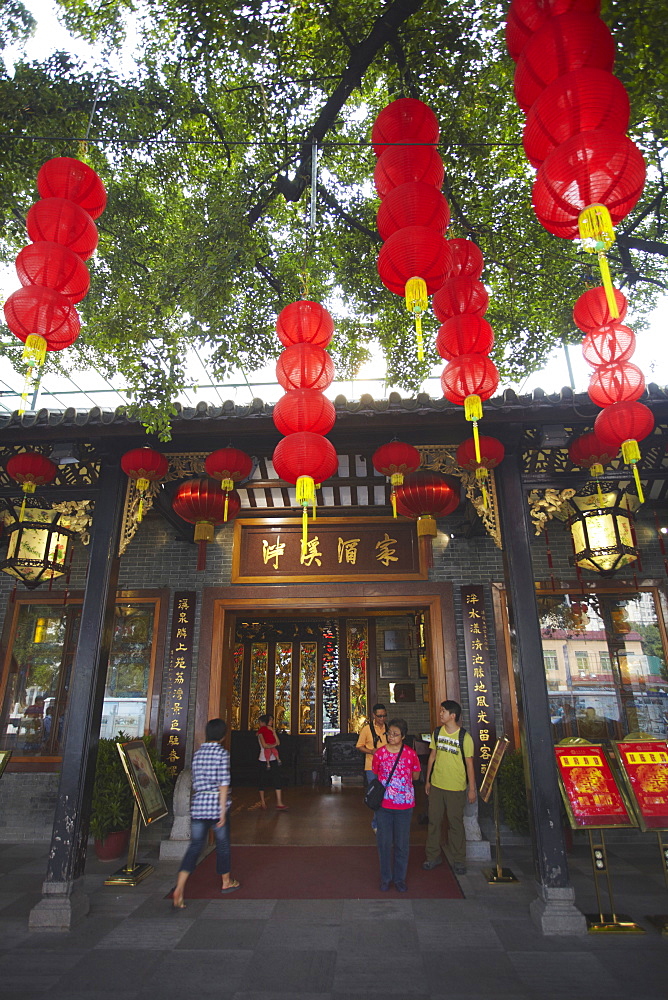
<point x="178" y="680"/>
<point x="478" y="669"/>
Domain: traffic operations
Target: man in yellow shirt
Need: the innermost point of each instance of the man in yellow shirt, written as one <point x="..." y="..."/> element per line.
<point x="450" y="782"/>
<point x="372" y="736"/>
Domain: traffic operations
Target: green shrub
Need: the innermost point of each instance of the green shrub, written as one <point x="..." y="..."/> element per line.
<point x="512" y="793"/>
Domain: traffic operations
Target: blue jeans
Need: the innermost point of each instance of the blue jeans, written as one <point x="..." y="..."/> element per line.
<point x="393" y="837"/>
<point x="198" y="831"/>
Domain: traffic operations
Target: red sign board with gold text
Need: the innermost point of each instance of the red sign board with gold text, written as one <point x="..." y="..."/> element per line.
<point x="591" y="794"/>
<point x="645" y="765"/>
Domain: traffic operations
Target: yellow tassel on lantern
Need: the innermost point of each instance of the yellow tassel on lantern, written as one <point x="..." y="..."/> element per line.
<point x="417" y="302"/>
<point x="34" y="350"/>
<point x="396" y="479"/>
<point x="481" y="475"/>
<point x="597" y="233"/>
<point x="305" y="490"/>
<point x="631" y="455"/>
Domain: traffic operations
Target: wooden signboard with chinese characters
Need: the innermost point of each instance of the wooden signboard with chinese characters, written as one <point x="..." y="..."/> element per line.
<point x="644" y="766"/>
<point x="379" y="548"/>
<point x="479" y="675"/>
<point x="178" y="680"/>
<point x="591" y="795"/>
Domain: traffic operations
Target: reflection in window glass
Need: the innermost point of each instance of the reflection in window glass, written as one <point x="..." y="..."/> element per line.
<point x="605" y="665"/>
<point x="36" y="692"/>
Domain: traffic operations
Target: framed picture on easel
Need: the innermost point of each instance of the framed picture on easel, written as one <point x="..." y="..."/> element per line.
<point x="4" y="759"/>
<point x="143" y="780"/>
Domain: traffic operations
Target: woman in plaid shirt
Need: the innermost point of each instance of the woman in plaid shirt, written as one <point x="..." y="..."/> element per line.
<point x="209" y="808"/>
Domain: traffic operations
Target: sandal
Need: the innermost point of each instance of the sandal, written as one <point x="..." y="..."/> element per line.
<point x="232" y="887"/>
<point x="281" y="809"/>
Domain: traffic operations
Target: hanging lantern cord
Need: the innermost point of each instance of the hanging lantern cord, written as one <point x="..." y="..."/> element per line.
<point x="396" y="479"/>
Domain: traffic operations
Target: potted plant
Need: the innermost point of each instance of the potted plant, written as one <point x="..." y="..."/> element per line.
<point x="113" y="802"/>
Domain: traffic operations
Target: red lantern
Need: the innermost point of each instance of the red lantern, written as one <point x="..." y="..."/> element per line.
<point x="304" y="322"/>
<point x="591" y="311"/>
<point x="404" y="120"/>
<point x="66" y="177"/>
<point x="464" y="334"/>
<point x="305" y="455"/>
<point x="228" y="466"/>
<point x="458" y="295"/>
<point x="56" y="220"/>
<point x="469" y="375"/>
<point x="30" y="469"/>
<point x="413" y="204"/>
<point x="45" y="320"/>
<point x="563" y="44"/>
<point x="608" y="345"/>
<point x="403" y="164"/>
<point x="396" y="460"/>
<point x="595" y="168"/>
<point x="526" y="16"/>
<point x="413" y="252"/>
<point x="56" y="267"/>
<point x="624" y="424"/>
<point x="145" y="466"/>
<point x="582" y="101"/>
<point x="590" y="453"/>
<point x="492" y="454"/>
<point x="465" y="258"/>
<point x="619" y="382"/>
<point x="200" y="502"/>
<point x="304" y="366"/>
<point x="304" y="410"/>
<point x="424" y="496"/>
<point x="305" y="459"/>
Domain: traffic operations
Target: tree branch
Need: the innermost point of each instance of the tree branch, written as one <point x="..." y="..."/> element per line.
<point x="647" y="246"/>
<point x="383" y="30"/>
<point x="354" y="223"/>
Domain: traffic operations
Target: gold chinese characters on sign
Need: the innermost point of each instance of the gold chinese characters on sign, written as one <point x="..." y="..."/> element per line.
<point x="479" y="674"/>
<point x="178" y="681"/>
<point x="367" y="549"/>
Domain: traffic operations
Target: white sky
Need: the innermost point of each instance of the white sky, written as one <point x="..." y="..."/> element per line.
<point x="87" y="388"/>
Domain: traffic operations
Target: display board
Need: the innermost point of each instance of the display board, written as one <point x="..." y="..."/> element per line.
<point x="644" y="767"/>
<point x="143" y="780"/>
<point x="592" y="797"/>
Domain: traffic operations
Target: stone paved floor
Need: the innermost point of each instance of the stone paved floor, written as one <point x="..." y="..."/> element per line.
<point x="484" y="946"/>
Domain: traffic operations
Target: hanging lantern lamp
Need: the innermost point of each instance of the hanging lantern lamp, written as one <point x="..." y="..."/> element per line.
<point x="37" y="545"/>
<point x="228" y="466"/>
<point x="465" y="334"/>
<point x="304" y="410"/>
<point x="30" y="469"/>
<point x="591" y="311"/>
<point x="623" y="425"/>
<point x="304" y="366"/>
<point x="396" y="460"/>
<point x="404" y="120"/>
<point x="145" y="466"/>
<point x="200" y="502"/>
<point x="468" y="381"/>
<point x="460" y="295"/>
<point x="601" y="528"/>
<point x="589" y="453"/>
<point x="306" y="460"/>
<point x="72" y="179"/>
<point x="492" y="453"/>
<point x="304" y="322"/>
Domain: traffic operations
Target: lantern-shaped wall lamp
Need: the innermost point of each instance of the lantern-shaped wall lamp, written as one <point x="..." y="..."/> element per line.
<point x="37" y="548"/>
<point x="601" y="528"/>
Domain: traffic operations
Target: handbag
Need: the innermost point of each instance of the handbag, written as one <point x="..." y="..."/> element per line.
<point x="375" y="790"/>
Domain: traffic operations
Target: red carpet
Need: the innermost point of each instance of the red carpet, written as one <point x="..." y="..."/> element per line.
<point x="317" y="873"/>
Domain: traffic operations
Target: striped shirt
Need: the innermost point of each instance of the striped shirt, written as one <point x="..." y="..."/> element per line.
<point x="211" y="769"/>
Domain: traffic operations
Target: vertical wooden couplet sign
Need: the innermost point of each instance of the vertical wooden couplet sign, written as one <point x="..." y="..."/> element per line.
<point x="175" y="725"/>
<point x="479" y="675"/>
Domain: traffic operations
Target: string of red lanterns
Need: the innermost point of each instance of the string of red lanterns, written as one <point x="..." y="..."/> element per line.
<point x="590" y="176"/>
<point x="51" y="270"/>
<point x="414" y="214"/>
<point x="466" y="338"/>
<point x="304" y="457"/>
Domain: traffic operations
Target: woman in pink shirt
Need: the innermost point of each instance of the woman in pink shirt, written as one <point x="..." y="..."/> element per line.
<point x="393" y="819"/>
